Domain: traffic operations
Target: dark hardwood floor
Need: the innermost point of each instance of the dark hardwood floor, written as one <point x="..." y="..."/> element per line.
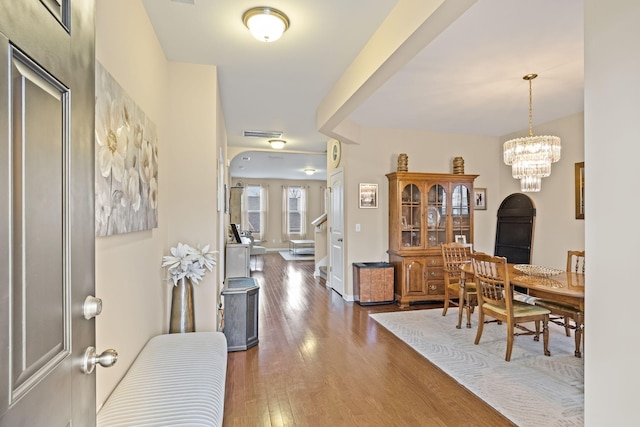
<point x="322" y="361"/>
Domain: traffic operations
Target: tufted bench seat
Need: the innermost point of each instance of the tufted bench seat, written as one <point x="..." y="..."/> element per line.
<point x="176" y="380"/>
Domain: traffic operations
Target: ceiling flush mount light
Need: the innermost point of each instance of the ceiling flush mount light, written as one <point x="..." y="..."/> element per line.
<point x="265" y="23"/>
<point x="530" y="157"/>
<point x="309" y="171"/>
<point x="277" y="144"/>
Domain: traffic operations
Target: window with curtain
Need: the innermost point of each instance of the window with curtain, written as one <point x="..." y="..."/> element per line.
<point x="295" y="212"/>
<point x="254" y="210"/>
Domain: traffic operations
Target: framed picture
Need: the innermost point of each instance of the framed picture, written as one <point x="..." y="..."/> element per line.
<point x="461" y="238"/>
<point x="480" y="198"/>
<point x="368" y="195"/>
<point x="580" y="190"/>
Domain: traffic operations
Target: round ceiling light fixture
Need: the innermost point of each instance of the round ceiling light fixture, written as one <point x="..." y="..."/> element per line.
<point x="309" y="171"/>
<point x="277" y="144"/>
<point x="265" y="23"/>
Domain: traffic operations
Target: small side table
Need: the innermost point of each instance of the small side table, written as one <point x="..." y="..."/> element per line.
<point x="241" y="312"/>
<point x="373" y="282"/>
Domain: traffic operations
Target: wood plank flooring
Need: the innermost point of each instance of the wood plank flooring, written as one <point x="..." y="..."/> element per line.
<point x="322" y="361"/>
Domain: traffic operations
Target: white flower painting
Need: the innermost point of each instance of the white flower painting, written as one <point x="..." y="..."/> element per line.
<point x="126" y="169"/>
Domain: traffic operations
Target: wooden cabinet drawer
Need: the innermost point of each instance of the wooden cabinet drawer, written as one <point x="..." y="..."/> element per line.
<point x="435" y="273"/>
<point x="435" y="287"/>
<point x="435" y="261"/>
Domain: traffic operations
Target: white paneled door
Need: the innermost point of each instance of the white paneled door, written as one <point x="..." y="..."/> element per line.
<point x="46" y="211"/>
<point x="336" y="224"/>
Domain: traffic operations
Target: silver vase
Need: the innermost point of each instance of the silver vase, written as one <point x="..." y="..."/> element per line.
<point x="182" y="315"/>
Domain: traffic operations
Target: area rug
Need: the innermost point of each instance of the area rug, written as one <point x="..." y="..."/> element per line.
<point x="530" y="390"/>
<point x="299" y="256"/>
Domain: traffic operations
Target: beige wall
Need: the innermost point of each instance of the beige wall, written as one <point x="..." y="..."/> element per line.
<point x="315" y="207"/>
<point x="183" y="102"/>
<point x="191" y="204"/>
<point x="128" y="277"/>
<point x="611" y="112"/>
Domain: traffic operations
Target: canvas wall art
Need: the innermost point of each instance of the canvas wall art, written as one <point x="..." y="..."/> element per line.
<point x="126" y="161"/>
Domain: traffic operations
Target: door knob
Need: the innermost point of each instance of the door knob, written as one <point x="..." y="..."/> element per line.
<point x="106" y="359"/>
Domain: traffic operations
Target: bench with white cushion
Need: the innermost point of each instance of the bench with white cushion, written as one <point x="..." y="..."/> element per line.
<point x="176" y="380"/>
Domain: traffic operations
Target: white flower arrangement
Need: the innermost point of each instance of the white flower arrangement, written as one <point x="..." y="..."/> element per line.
<point x="189" y="262"/>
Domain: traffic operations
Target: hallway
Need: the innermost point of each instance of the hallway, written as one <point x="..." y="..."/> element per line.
<point x="322" y="361"/>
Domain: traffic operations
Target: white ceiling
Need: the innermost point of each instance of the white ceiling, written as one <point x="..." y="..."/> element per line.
<point x="279" y="165"/>
<point x="467" y="80"/>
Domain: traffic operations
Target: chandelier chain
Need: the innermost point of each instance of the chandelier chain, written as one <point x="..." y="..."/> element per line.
<point x="530" y="110"/>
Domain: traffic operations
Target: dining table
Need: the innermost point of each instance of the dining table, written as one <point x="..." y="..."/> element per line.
<point x="566" y="288"/>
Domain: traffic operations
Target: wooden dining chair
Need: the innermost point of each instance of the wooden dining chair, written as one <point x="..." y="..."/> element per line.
<point x="495" y="299"/>
<point x="454" y="256"/>
<point x="563" y="314"/>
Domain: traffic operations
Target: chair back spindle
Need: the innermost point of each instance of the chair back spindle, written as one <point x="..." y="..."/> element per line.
<point x="575" y="261"/>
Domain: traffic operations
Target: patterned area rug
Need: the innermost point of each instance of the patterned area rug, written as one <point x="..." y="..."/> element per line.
<point x="530" y="390"/>
<point x="302" y="255"/>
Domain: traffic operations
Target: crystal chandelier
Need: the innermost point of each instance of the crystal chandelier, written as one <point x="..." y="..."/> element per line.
<point x="530" y="157"/>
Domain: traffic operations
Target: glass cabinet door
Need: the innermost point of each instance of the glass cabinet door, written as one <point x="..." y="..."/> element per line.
<point x="410" y="222"/>
<point x="461" y="213"/>
<point x="437" y="216"/>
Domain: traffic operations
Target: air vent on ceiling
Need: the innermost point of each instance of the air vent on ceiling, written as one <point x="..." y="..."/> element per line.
<point x="263" y="134"/>
<point x="191" y="2"/>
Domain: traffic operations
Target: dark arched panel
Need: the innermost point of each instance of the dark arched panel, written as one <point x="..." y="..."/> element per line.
<point x="514" y="233"/>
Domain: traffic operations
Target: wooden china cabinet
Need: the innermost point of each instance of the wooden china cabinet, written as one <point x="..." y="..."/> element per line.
<point x="425" y="211"/>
